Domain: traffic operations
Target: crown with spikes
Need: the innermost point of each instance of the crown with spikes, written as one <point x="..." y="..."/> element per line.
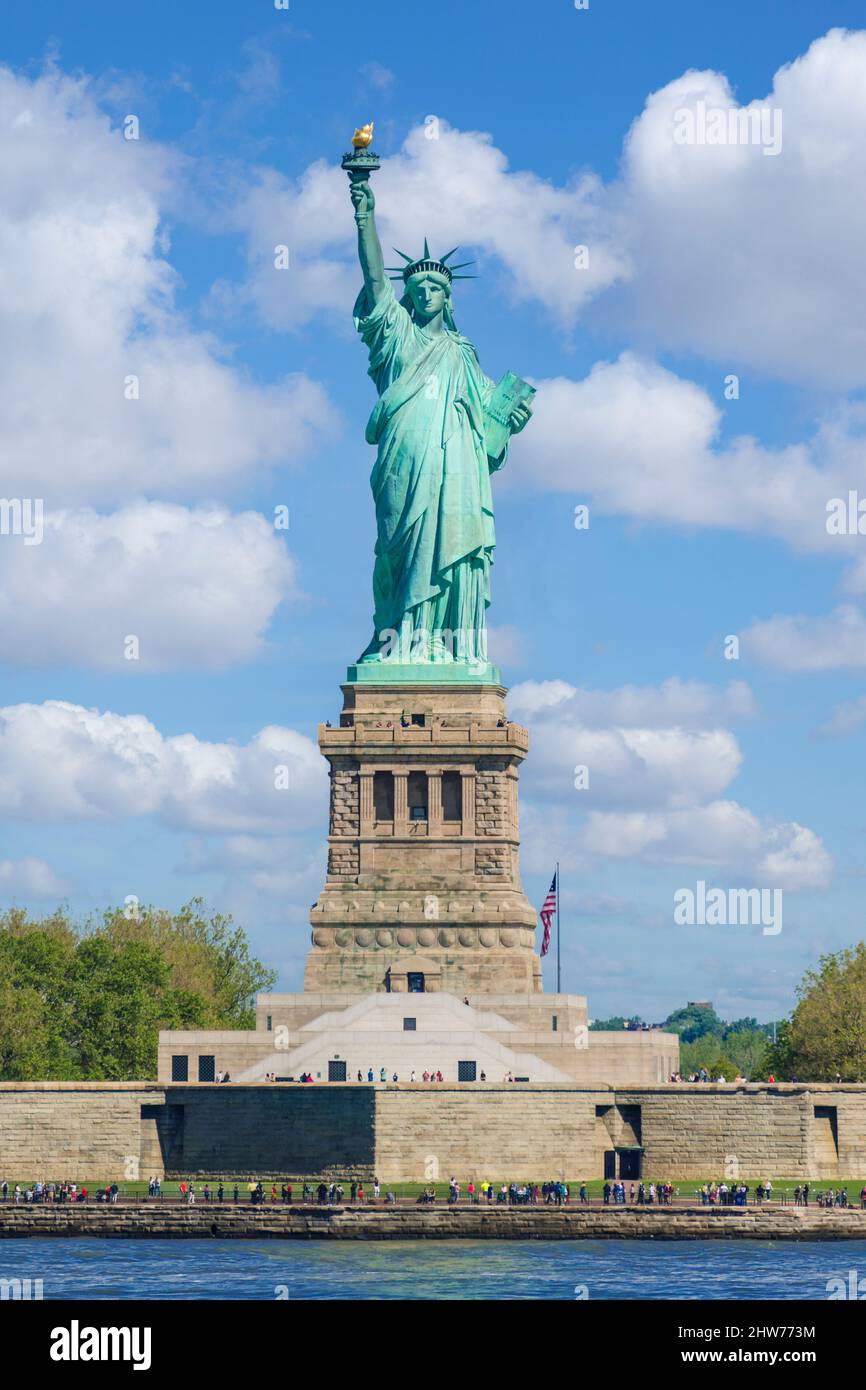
<point x="428" y="262"/>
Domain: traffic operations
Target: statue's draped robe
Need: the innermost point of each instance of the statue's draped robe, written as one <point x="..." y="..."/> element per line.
<point x="431" y="485"/>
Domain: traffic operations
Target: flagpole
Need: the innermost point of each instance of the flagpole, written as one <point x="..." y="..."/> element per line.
<point x="558" y="933"/>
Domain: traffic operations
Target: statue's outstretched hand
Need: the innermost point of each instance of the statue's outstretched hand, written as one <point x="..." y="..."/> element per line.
<point x="362" y="199"/>
<point x="520" y="416"/>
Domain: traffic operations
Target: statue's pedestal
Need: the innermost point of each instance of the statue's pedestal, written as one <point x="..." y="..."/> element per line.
<point x="423" y="889"/>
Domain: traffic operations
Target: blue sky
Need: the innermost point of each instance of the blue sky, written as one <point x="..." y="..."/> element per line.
<point x="154" y="258"/>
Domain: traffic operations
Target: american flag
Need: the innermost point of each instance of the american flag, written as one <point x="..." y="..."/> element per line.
<point x="551" y="905"/>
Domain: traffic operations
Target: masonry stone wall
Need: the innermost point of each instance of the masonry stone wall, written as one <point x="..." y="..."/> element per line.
<point x="66" y="1130"/>
<point x="752" y="1132"/>
<point x="495" y="1132"/>
<point x="113" y="1131"/>
<point x="492" y="797"/>
<point x="344" y="800"/>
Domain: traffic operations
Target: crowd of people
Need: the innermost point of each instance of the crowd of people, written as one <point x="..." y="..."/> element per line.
<point x="643" y="1194"/>
<point x="552" y="1193"/>
<point x="703" y="1075"/>
<point x="723" y="1194"/>
<point x="510" y="1194"/>
<point x="47" y="1193"/>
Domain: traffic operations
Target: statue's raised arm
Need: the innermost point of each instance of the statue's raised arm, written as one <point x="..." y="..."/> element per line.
<point x="369" y="246"/>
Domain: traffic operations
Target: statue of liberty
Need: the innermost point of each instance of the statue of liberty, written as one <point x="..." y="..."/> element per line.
<point x="431" y="481"/>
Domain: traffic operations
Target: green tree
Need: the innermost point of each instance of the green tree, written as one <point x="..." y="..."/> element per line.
<point x="826" y="1033"/>
<point x="87" y="1002"/>
<point x="693" y="1022"/>
<point x="749" y="1048"/>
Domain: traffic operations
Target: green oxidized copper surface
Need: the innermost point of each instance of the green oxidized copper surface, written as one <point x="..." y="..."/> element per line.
<point x="431" y="479"/>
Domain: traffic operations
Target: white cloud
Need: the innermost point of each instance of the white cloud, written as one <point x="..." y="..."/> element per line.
<point x="278" y="866"/>
<point x="752" y="261"/>
<point x="633" y="766"/>
<point x="845" y="718"/>
<point x="378" y="76"/>
<point x="62" y="762"/>
<point x="688" y="704"/>
<point x="196" y="587"/>
<point x="804" y="644"/>
<point x="721" y="835"/>
<point x="89" y="300"/>
<point x="30" y="878"/>
<point x="795" y="856"/>
<point x="635" y="439"/>
<point x="658" y="764"/>
<point x="455" y="188"/>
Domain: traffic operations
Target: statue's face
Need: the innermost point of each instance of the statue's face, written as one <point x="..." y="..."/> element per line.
<point x="429" y="294"/>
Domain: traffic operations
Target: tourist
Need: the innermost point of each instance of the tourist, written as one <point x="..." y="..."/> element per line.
<point x="370" y="1074"/>
<point x="412" y="1075"/>
<point x="483" y="1076"/>
<point x="376" y="1188"/>
<point x="361" y="1192"/>
<point x="439" y="1076"/>
<point x="382" y="1076"/>
<point x="395" y="1077"/>
<point x="360" y="1077"/>
<point x="235" y="1193"/>
<point x="220" y="1191"/>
